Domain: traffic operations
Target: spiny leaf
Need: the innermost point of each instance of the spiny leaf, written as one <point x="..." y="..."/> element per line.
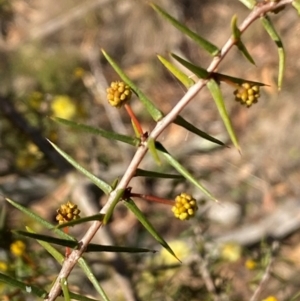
<point x="245" y="52"/>
<point x="209" y="47"/>
<point x="51" y="250"/>
<point x="153" y="174"/>
<point x="234" y="28"/>
<point x="153" y="152"/>
<point x="182" y="77"/>
<point x="88" y="272"/>
<point x="136" y="131"/>
<point x="238" y="42"/>
<point x="65" y="289"/>
<point x="219" y="77"/>
<point x="101" y="248"/>
<point x="182" y="170"/>
<point x="281" y="53"/>
<point x="188" y="126"/>
<point x="200" y="72"/>
<point x="249" y="3"/>
<point x="82" y="298"/>
<point x="50" y="239"/>
<point x="98" y="131"/>
<point x="117" y="198"/>
<point x="106" y="188"/>
<point x="218" y="98"/>
<point x="25" y="287"/>
<point x="62" y="234"/>
<point x="75" y="244"/>
<point x="39" y="219"/>
<point x="129" y="203"/>
<point x="96" y="217"/>
<point x="152" y="110"/>
<point x="296" y="4"/>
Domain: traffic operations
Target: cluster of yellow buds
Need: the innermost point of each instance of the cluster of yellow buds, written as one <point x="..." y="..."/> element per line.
<point x="185" y="206"/>
<point x="247" y="94"/>
<point x="118" y="93"/>
<point x="67" y="212"/>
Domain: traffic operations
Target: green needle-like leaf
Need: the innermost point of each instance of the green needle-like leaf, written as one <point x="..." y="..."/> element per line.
<point x="101" y="248"/>
<point x="25" y="287"/>
<point x="62" y="234"/>
<point x="96" y="217"/>
<point x="249" y="3"/>
<point x="218" y="98"/>
<point x="65" y="289"/>
<point x="97" y="131"/>
<point x="200" y="72"/>
<point x="238" y="42"/>
<point x="40" y="220"/>
<point x="88" y="272"/>
<point x="75" y="244"/>
<point x="110" y="210"/>
<point x="234" y="28"/>
<point x="130" y="204"/>
<point x="245" y="52"/>
<point x="106" y="188"/>
<point x="152" y="110"/>
<point x="51" y="250"/>
<point x="182" y="77"/>
<point x="296" y="4"/>
<point x="82" y="298"/>
<point x="281" y="53"/>
<point x="219" y="77"/>
<point x="182" y="170"/>
<point x="209" y="47"/>
<point x="191" y="128"/>
<point x="153" y="174"/>
<point x="153" y="151"/>
<point x="50" y="239"/>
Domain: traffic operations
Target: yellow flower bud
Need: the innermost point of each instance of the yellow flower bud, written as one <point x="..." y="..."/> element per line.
<point x="118" y="93"/>
<point x="185" y="206"/>
<point x="67" y="212"/>
<point x="247" y="94"/>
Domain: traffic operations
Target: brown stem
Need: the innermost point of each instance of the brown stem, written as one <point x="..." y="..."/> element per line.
<point x="134" y="119"/>
<point x="153" y="198"/>
<point x="68" y="251"/>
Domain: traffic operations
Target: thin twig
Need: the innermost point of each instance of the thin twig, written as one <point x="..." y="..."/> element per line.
<point x="142" y="150"/>
<point x="266" y="275"/>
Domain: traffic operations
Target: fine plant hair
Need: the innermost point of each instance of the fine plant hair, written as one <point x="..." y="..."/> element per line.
<point x="148" y="142"/>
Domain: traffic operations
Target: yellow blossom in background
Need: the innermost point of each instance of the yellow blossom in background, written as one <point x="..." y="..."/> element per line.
<point x="250" y="264"/>
<point x="17" y="248"/>
<point x="78" y="72"/>
<point x="270" y="298"/>
<point x="34" y="150"/>
<point x="28" y="158"/>
<point x="63" y="106"/>
<point x="231" y="251"/>
<point x="3" y="266"/>
<point x="25" y="161"/>
<point x="181" y="250"/>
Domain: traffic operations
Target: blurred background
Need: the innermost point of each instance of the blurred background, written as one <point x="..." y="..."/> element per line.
<point x="51" y="65"/>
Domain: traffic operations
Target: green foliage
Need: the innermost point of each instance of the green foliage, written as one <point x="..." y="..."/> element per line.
<point x="64" y="90"/>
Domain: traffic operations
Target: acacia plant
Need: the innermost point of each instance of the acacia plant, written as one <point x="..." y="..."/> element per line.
<point x="119" y="94"/>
